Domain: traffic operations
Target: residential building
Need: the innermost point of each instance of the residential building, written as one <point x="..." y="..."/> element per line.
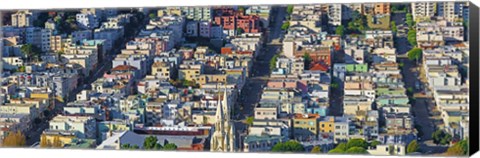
<point x="88" y="20"/>
<point x="82" y="126"/>
<point x="423" y="10"/>
<point x="23" y="18"/>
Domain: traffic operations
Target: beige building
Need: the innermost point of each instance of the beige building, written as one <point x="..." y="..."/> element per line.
<point x="162" y="70"/>
<point x="423" y="10"/>
<point x="190" y="72"/>
<point x="22" y="18"/>
<point x="385" y="149"/>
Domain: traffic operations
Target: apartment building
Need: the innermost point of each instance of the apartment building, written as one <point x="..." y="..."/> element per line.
<point x="83" y="126"/>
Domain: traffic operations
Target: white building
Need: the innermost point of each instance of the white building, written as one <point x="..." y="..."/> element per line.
<point x="198" y="13"/>
<point x="84" y="126"/>
<point x="423" y="10"/>
<point x="88" y="21"/>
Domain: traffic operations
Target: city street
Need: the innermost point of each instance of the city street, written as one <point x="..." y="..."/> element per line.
<point x="34" y="135"/>
<point x="261" y="68"/>
<point x="420" y="107"/>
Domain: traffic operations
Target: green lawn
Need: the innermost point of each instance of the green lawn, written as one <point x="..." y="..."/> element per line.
<point x="384" y="22"/>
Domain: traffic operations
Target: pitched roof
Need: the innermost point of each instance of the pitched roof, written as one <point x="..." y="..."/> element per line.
<point x="124" y="68"/>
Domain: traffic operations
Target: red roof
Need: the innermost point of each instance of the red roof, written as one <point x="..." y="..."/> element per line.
<point x="124" y="68"/>
<point x="319" y="66"/>
<point x="226" y="50"/>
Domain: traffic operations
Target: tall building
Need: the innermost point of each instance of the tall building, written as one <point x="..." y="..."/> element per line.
<point x="223" y="138"/>
<point x="423" y="10"/>
<point x="198" y="13"/>
<point x="451" y="11"/>
<point x="22" y="19"/>
<point x="382" y="8"/>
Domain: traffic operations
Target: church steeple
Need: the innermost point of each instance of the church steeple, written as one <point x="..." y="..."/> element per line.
<point x="223" y="139"/>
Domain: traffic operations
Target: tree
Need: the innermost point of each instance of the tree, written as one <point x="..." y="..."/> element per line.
<point x="152" y="15"/>
<point x="170" y="146"/>
<point x="356" y="150"/>
<point x="290" y="9"/>
<point x="307" y="60"/>
<point x="249" y="120"/>
<point x="336" y="151"/>
<point x="413" y="147"/>
<point x="357" y="142"/>
<point x="412" y="37"/>
<point x="459" y="148"/>
<point x="240" y="31"/>
<point x="409" y="19"/>
<point x="375" y="143"/>
<point x="414" y="54"/>
<point x="289" y="146"/>
<point x="340" y="30"/>
<point x="273" y="62"/>
<point x="30" y="51"/>
<point x="393" y="26"/>
<point x="339" y="149"/>
<point x="150" y="143"/>
<point x="440" y="137"/>
<point x="342" y="146"/>
<point x="446" y="139"/>
<point x="14" y="139"/>
<point x="21" y="68"/>
<point x="157" y="146"/>
<point x="316" y="149"/>
<point x="128" y="146"/>
<point x="285" y="25"/>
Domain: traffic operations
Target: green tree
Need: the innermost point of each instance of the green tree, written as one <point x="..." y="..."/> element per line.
<point x="375" y="143"/>
<point x="289" y="146"/>
<point x="414" y="54"/>
<point x="307" y="60"/>
<point x="409" y="19"/>
<point x="412" y="37"/>
<point x="152" y="15"/>
<point x="249" y="120"/>
<point x="340" y="30"/>
<point x="21" y="69"/>
<point x="273" y="62"/>
<point x="339" y="149"/>
<point x="357" y="142"/>
<point x="440" y="137"/>
<point x="446" y="139"/>
<point x="150" y="143"/>
<point x="285" y="25"/>
<point x="413" y="146"/>
<point x="458" y="149"/>
<point x="157" y="147"/>
<point x="170" y="146"/>
<point x="30" y="51"/>
<point x="290" y="9"/>
<point x="393" y="26"/>
<point x="240" y="31"/>
<point x="316" y="149"/>
<point x="336" y="151"/>
<point x="356" y="150"/>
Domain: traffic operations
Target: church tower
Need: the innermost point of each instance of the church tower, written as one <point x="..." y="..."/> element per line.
<point x="223" y="138"/>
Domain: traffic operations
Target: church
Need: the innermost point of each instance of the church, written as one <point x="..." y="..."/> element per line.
<point x="223" y="138"/>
